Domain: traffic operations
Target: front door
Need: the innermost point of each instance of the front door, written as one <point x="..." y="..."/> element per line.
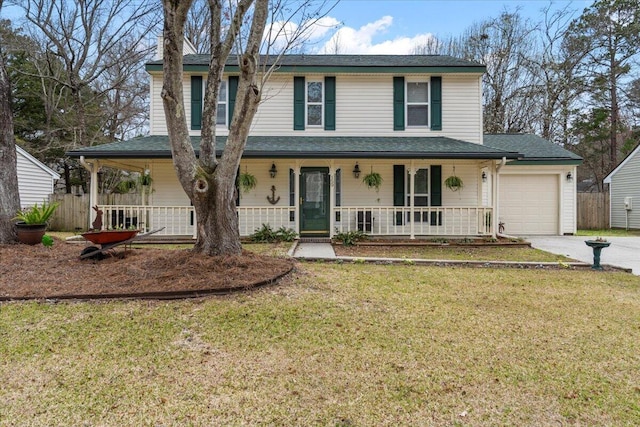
<point x="314" y="202"/>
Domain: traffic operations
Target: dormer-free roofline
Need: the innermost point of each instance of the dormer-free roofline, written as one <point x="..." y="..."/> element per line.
<point x="322" y="64"/>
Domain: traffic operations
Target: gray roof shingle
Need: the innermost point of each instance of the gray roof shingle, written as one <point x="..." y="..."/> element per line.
<point x="311" y="147"/>
<point x="533" y="147"/>
<point x="347" y="62"/>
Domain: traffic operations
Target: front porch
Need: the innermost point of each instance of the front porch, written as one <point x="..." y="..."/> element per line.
<point x="379" y="221"/>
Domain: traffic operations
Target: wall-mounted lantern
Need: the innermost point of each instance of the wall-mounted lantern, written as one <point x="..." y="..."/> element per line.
<point x="484" y="176"/>
<point x="569" y="177"/>
<point x="356" y="171"/>
<point x="273" y="171"/>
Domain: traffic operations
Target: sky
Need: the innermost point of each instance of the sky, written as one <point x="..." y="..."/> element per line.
<point x="396" y="27"/>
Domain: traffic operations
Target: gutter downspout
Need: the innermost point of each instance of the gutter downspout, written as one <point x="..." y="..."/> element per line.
<point x="496" y="198"/>
<point x="93" y="186"/>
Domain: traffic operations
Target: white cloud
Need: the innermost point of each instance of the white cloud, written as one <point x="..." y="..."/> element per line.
<point x="282" y="34"/>
<point x="348" y="40"/>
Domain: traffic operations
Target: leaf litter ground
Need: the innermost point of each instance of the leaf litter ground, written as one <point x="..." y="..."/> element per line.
<point x="40" y="272"/>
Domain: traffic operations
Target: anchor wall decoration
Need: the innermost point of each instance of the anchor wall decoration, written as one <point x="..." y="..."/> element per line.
<point x="272" y="199"/>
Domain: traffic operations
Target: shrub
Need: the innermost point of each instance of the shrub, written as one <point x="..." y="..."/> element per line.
<point x="266" y="234"/>
<point x="349" y="238"/>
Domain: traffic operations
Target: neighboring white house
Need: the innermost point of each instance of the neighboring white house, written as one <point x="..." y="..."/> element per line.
<point x="624" y="191"/>
<point x="326" y="121"/>
<point x="35" y="179"/>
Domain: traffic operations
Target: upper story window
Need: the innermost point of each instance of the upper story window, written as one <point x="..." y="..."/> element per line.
<point x="315" y="103"/>
<point x="417" y="104"/>
<point x="198" y="88"/>
<point x="221" y="118"/>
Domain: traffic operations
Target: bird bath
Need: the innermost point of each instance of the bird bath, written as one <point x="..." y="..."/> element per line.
<point x="598" y="246"/>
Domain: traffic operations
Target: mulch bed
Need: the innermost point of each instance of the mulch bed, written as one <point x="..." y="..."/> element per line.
<point x="57" y="272"/>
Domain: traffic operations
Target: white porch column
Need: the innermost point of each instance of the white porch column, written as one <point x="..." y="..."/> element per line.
<point x="495" y="184"/>
<point x="93" y="187"/>
<point x="296" y="182"/>
<point x="332" y="197"/>
<point x="412" y="181"/>
<point x="494" y="199"/>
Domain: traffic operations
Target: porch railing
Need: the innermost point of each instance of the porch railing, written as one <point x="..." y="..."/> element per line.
<point x="421" y="221"/>
<point x="180" y="220"/>
<point x="373" y="220"/>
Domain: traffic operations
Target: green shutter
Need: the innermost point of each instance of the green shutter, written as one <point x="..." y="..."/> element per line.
<point x="436" y="103"/>
<point x="398" y="103"/>
<point x="298" y="103"/>
<point x="398" y="190"/>
<point x="233" y="90"/>
<point x="436" y="185"/>
<point x="329" y="103"/>
<point x="196" y="102"/>
<point x="398" y="185"/>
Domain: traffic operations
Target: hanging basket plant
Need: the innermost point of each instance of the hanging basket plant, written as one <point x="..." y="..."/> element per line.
<point x="247" y="182"/>
<point x="145" y="179"/>
<point x="373" y="180"/>
<point x="454" y="183"/>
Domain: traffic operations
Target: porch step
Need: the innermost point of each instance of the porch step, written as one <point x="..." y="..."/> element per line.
<point x="315" y="240"/>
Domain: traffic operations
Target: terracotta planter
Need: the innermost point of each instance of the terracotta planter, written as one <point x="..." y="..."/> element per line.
<point x="30" y="234"/>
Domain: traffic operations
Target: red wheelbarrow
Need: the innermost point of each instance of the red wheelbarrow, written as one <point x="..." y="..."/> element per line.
<point x="108" y="239"/>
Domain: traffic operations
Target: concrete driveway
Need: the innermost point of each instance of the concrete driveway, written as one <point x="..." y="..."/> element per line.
<point x="623" y="252"/>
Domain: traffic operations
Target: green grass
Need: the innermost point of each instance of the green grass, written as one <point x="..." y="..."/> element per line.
<point x="620" y="232"/>
<point x="458" y="253"/>
<point x="337" y="345"/>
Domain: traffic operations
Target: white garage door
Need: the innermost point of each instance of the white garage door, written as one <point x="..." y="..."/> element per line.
<point x="529" y="204"/>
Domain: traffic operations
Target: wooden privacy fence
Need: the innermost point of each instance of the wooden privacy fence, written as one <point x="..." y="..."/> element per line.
<point x="73" y="212"/>
<point x="593" y="211"/>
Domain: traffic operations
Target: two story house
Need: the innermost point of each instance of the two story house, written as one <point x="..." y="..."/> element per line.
<point x="326" y="122"/>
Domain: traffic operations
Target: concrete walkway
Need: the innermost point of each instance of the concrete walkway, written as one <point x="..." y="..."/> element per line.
<point x="624" y="251"/>
<point x="314" y="251"/>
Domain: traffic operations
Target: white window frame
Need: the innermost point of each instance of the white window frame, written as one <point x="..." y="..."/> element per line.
<point x="308" y="103"/>
<point x="224" y="101"/>
<point x="407" y="103"/>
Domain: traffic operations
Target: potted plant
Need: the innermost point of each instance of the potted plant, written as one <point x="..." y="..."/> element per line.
<point x="373" y="180"/>
<point x="454" y="183"/>
<point x="247" y="182"/>
<point x="32" y="222"/>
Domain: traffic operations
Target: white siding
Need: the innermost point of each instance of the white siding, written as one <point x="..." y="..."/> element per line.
<point x="461" y="108"/>
<point x="35" y="184"/>
<point x="626" y="183"/>
<point x="168" y="192"/>
<point x="158" y="125"/>
<point x="364" y="107"/>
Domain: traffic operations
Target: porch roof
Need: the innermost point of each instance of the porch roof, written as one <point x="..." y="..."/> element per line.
<point x="157" y="146"/>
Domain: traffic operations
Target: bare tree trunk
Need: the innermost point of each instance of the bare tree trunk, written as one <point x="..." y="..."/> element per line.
<point x="9" y="197"/>
<point x="210" y="184"/>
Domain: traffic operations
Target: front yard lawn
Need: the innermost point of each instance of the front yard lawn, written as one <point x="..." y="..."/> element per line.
<point x="337" y="345"/>
<point x="457" y="253"/>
